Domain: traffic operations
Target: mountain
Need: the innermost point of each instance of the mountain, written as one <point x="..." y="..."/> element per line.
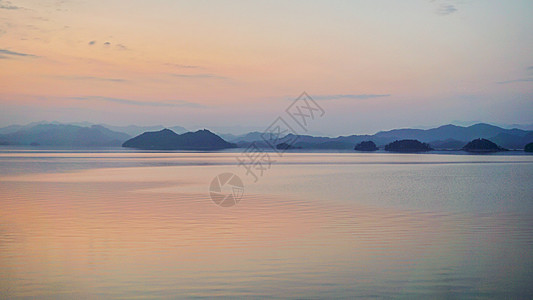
<point x="167" y="139"/>
<point x="228" y="136"/>
<point x="482" y="145"/>
<point x="64" y="135"/>
<point x="513" y="141"/>
<point x="451" y="136"/>
<point x="448" y="144"/>
<point x="134" y="130"/>
<point x="15" y="128"/>
<point x="11" y="129"/>
<point x="131" y="130"/>
<point x="448" y="137"/>
<point x="408" y="146"/>
<point x="447" y="132"/>
<point x="249" y="137"/>
<point x="519" y="126"/>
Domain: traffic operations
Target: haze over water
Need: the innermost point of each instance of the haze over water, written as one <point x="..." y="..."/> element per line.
<point x="121" y="224"/>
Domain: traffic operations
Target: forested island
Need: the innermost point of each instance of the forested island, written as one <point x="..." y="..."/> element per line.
<point x="482" y="145"/>
<point x="367" y="146"/>
<point x="408" y="146"/>
<point x="529" y="147"/>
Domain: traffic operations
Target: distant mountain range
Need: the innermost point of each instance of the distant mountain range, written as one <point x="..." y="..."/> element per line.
<point x="63" y="135"/>
<point x="81" y="134"/>
<point x="131" y="130"/>
<point x="447" y="137"/>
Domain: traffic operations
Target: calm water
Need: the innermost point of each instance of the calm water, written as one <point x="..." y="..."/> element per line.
<point x="119" y="224"/>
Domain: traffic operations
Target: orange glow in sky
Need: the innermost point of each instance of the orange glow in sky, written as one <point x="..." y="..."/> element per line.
<point x="373" y="64"/>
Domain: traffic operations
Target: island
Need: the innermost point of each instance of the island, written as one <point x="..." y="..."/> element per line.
<point x="408" y="146"/>
<point x="528" y="147"/>
<point x="482" y="146"/>
<point x="366" y="146"/>
<point x="167" y="139"/>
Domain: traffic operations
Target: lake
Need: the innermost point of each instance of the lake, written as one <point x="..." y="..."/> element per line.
<point x="124" y="224"/>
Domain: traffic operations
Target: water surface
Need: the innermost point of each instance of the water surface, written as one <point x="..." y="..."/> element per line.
<point x="126" y="224"/>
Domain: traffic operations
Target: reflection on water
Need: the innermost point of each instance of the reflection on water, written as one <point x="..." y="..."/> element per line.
<point x="142" y="225"/>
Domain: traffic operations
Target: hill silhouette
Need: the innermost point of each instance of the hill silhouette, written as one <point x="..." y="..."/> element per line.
<point x="408" y="146"/>
<point x="366" y="146"/>
<point x="167" y="139"/>
<point x="529" y="147"/>
<point x="482" y="145"/>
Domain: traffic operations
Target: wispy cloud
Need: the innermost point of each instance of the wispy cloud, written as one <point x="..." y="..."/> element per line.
<point x="171" y="103"/>
<point x="108" y="44"/>
<point x="446" y="9"/>
<point x="350" y="96"/>
<point x="515" y="80"/>
<point x="199" y="76"/>
<point x="8" y="5"/>
<point x="527" y="79"/>
<point x="96" y="78"/>
<point x="8" y="53"/>
<point x="180" y="66"/>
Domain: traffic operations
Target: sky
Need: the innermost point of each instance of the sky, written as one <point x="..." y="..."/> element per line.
<point x="235" y="66"/>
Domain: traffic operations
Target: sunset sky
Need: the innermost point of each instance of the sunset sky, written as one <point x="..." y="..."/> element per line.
<point x="237" y="65"/>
